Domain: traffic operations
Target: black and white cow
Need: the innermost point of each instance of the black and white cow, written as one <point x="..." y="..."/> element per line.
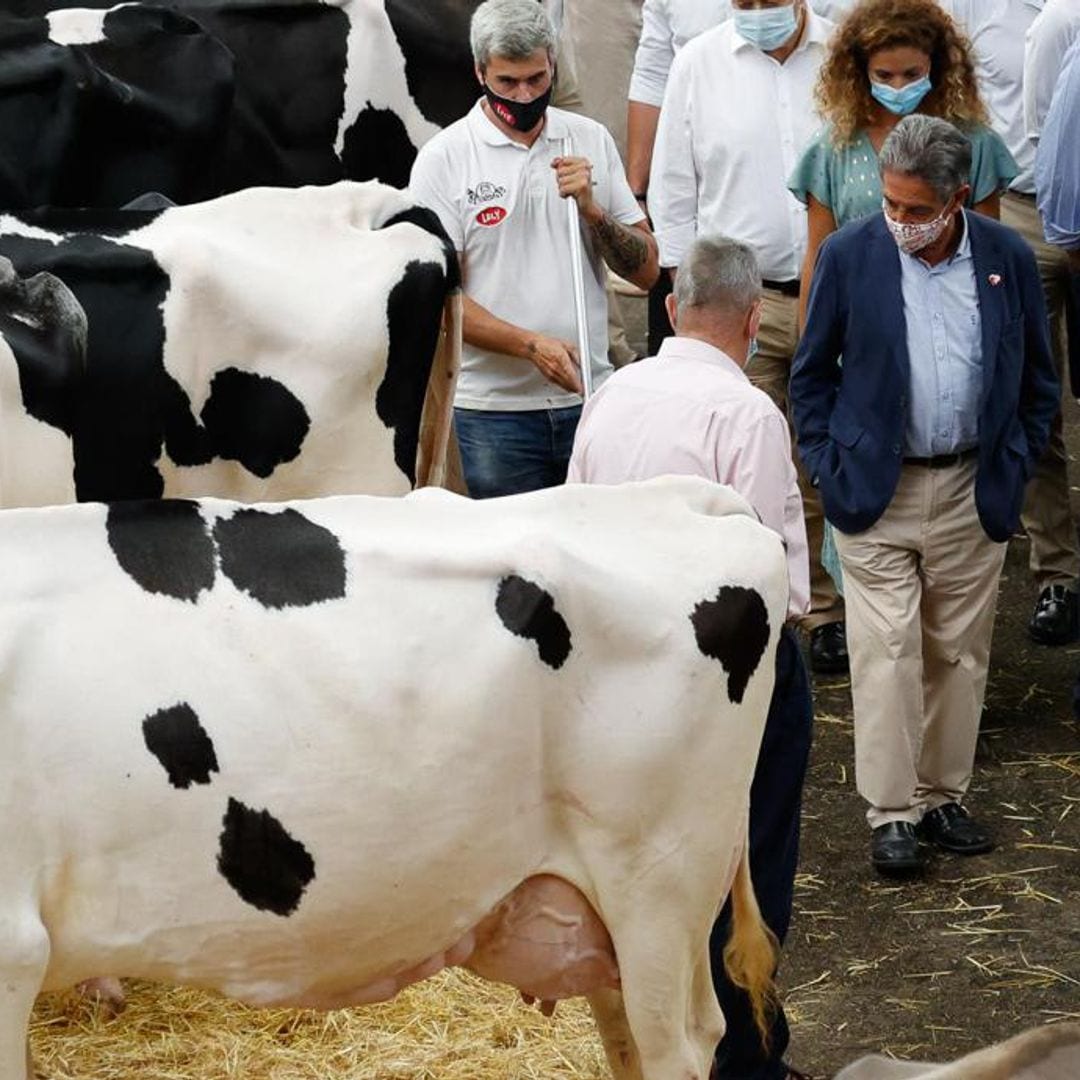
<point x="100" y="102"/>
<point x="313" y="752"/>
<point x="270" y="344"/>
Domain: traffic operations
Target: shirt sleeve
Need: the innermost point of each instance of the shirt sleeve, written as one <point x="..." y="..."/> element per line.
<point x="654" y="56"/>
<point x="813" y="174"/>
<point x="1048" y="39"/>
<point x="765" y="476"/>
<point x="430" y="186"/>
<point x="624" y="207"/>
<point x="1057" y="163"/>
<point x="673" y="194"/>
<point x="992" y="166"/>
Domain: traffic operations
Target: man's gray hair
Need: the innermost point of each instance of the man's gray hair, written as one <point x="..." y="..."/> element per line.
<point x="512" y="29"/>
<point x="931" y="149"/>
<point x="718" y="272"/>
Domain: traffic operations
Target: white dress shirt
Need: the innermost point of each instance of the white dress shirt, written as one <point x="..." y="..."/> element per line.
<point x="667" y="25"/>
<point x="1048" y="40"/>
<point x="691" y="410"/>
<point x="732" y="128"/>
<point x="997" y="29"/>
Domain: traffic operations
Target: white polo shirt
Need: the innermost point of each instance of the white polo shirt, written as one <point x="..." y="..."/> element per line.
<point x="499" y="201"/>
<point x="733" y="126"/>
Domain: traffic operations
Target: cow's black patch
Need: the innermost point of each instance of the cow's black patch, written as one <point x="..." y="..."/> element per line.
<point x="45" y="328"/>
<point x="434" y="39"/>
<point x="281" y="559"/>
<point x="428" y="220"/>
<point x="123" y="406"/>
<point x="529" y="611"/>
<point x="254" y="420"/>
<point x="734" y="629"/>
<point x="413" y="317"/>
<point x="265" y="866"/>
<point x="377" y="147"/>
<point x="164" y="546"/>
<point x="176" y="738"/>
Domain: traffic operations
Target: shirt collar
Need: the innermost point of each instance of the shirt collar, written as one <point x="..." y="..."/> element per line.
<point x="555" y="127"/>
<point x="815" y="32"/>
<point x="686" y="348"/>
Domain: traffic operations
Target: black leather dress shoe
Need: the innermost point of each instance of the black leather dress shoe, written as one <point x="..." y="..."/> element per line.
<point x="1055" y="618"/>
<point x="951" y="828"/>
<point x="894" y="848"/>
<point x="828" y="649"/>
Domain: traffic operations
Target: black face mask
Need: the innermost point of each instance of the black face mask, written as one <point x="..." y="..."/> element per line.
<point x="520" y="115"/>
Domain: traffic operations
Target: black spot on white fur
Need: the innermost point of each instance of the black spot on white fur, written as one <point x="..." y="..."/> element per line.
<point x="734" y="629"/>
<point x="528" y="610"/>
<point x="163" y="545"/>
<point x="266" y="867"/>
<point x="281" y="559"/>
<point x="176" y="738"/>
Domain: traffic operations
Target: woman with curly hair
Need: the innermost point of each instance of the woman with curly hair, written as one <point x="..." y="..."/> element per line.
<point x="886" y="59"/>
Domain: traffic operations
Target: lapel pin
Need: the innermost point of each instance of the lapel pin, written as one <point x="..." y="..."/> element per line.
<point x="994" y="279"/>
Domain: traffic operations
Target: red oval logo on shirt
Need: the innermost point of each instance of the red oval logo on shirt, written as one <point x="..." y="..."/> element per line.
<point x="490" y="215"/>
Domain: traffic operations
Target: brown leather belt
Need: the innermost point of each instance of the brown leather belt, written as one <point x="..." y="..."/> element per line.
<point x="942" y="461"/>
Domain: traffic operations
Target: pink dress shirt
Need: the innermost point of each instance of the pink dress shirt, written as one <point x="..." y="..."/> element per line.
<point x="692" y="410"/>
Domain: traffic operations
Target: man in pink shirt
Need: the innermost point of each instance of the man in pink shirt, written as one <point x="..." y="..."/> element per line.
<point x="691" y="409"/>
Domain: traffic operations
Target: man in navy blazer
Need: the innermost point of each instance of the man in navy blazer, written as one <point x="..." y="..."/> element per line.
<point x="922" y="394"/>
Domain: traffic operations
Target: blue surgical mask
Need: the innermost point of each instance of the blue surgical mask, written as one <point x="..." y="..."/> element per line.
<point x="767" y="28"/>
<point x="752" y="351"/>
<point x="904" y="100"/>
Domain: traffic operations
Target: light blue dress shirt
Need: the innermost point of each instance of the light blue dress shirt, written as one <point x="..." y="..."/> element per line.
<point x="944" y="328"/>
<point x="1057" y="162"/>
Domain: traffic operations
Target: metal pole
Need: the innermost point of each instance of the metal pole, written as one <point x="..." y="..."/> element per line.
<point x="578" y="273"/>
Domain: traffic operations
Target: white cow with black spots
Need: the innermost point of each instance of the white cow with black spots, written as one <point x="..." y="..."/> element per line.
<point x="313" y="752"/>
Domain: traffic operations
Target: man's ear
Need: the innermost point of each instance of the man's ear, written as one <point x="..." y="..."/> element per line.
<point x="753" y="324"/>
<point x="479" y="73"/>
<point x="672" y="310"/>
<point x="962" y="194"/>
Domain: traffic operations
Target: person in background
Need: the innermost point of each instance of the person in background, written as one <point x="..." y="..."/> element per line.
<point x="922" y="441"/>
<point x="666" y="26"/>
<point x="498" y="179"/>
<point x="889" y="58"/>
<point x="692" y="410"/>
<point x="997" y="29"/>
<point x="737" y="113"/>
<point x="1048" y="40"/>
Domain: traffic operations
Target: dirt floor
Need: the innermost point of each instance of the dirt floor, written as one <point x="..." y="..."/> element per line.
<point x="979" y="950"/>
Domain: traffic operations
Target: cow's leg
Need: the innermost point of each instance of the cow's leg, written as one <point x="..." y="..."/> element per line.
<point x="24" y="956"/>
<point x="610" y="1016"/>
<point x="662" y="950"/>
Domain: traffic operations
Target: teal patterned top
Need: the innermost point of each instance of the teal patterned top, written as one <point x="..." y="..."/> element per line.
<point x="846" y="180"/>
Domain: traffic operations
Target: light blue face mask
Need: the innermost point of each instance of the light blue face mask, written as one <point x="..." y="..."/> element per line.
<point x="904" y="100"/>
<point x="753" y="350"/>
<point x="767" y="28"/>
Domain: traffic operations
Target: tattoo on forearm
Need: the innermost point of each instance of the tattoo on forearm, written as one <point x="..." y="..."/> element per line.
<point x="624" y="249"/>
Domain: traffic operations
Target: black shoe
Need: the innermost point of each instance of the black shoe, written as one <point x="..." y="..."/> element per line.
<point x="828" y="649"/>
<point x="894" y="848"/>
<point x="950" y="827"/>
<point x="1055" y="618"/>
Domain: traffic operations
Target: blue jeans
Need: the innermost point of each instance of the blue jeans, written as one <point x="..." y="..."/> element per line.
<point x="775" y="811"/>
<point x="506" y="453"/>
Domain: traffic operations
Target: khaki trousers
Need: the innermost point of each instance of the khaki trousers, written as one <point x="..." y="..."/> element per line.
<point x="770" y="370"/>
<point x="921" y="587"/>
<point x="1047" y="517"/>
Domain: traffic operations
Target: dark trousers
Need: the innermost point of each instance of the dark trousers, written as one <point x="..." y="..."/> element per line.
<point x="1072" y="324"/>
<point x="507" y="453"/>
<point x="659" y="323"/>
<point x="775" y="807"/>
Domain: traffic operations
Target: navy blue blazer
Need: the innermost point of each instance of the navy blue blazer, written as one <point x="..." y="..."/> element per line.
<point x="850" y="418"/>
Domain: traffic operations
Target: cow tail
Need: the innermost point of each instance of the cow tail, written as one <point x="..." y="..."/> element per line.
<point x="750" y="956"/>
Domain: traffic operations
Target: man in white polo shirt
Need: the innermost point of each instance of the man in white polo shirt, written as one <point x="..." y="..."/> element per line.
<point x="497" y="180"/>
